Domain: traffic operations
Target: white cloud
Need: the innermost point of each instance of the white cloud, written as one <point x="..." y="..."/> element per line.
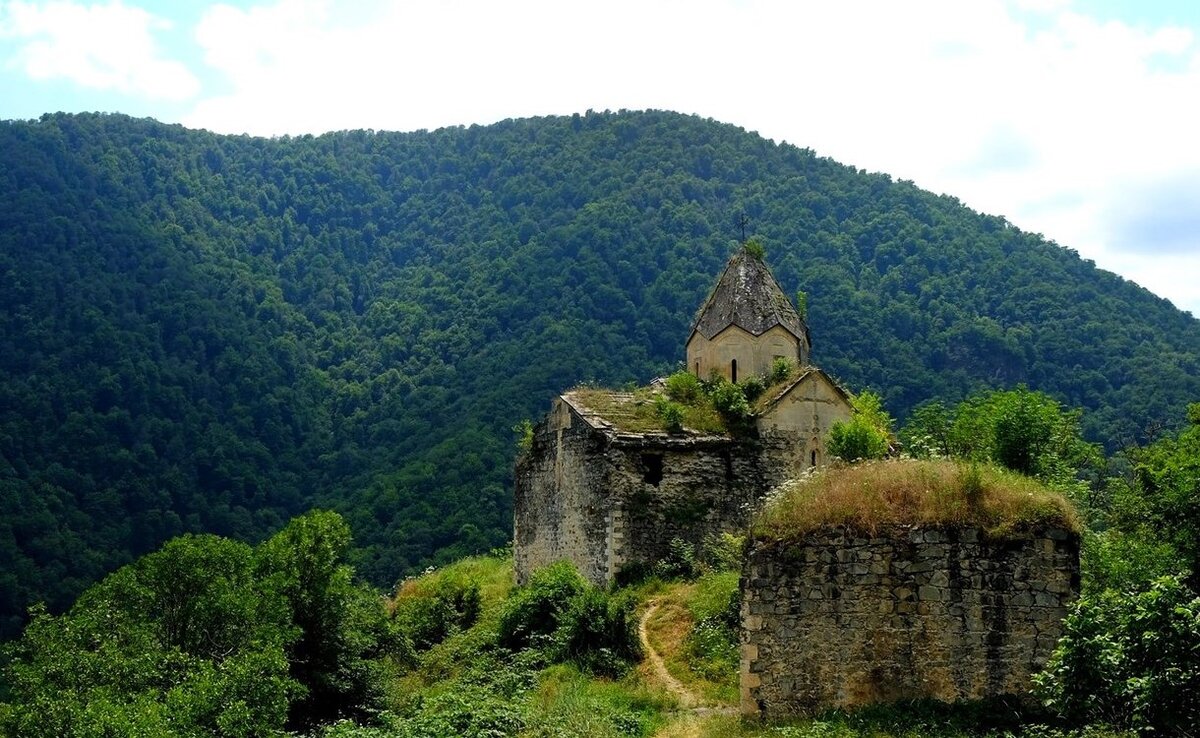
<point x="101" y="46"/>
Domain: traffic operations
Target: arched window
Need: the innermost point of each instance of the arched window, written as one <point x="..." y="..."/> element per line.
<point x="697" y="368"/>
<point x="814" y="457"/>
<point x="733" y="371"/>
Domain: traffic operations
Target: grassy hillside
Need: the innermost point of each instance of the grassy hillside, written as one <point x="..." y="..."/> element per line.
<point x="214" y="333"/>
<point x="278" y="640"/>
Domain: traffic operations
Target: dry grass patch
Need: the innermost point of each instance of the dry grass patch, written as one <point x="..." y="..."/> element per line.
<point x="874" y="495"/>
<point x="632" y="412"/>
<point x="667" y="631"/>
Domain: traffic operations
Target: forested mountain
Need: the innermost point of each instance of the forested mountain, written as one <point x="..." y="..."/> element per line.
<point x="214" y="333"/>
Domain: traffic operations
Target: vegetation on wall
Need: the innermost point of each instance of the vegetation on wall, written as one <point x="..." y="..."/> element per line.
<point x="873" y="496"/>
<point x="204" y="333"/>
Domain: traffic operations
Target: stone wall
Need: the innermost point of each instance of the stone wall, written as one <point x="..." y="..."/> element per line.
<point x="754" y="354"/>
<point x="793" y="429"/>
<point x="607" y="501"/>
<point x="681" y="489"/>
<point x="842" y="620"/>
<point x="560" y="505"/>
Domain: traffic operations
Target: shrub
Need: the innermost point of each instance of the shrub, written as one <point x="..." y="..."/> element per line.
<point x="723" y="552"/>
<point x="524" y="433"/>
<point x="531" y="613"/>
<point x="427" y="615"/>
<point x="681" y="560"/>
<point x="752" y="388"/>
<point x="1129" y="660"/>
<point x="755" y="248"/>
<point x="781" y="369"/>
<point x="856" y="440"/>
<point x="730" y="403"/>
<point x="867" y="435"/>
<point x="1120" y="561"/>
<point x="684" y="387"/>
<point x="572" y="620"/>
<point x="597" y="632"/>
<point x="670" y="413"/>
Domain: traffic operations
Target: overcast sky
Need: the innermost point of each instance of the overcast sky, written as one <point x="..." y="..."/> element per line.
<point x="1077" y="120"/>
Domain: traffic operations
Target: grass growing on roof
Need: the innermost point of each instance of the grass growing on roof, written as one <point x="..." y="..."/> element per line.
<point x="874" y="495"/>
<point x="637" y="412"/>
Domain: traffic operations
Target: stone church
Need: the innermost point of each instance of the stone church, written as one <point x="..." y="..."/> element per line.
<point x="605" y="493"/>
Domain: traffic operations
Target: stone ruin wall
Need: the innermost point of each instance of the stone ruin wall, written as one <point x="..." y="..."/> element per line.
<point x="706" y="487"/>
<point x="608" y="501"/>
<point x="560" y="509"/>
<point x="840" y="620"/>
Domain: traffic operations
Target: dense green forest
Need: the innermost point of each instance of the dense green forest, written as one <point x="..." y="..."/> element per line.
<point x="204" y="333"/>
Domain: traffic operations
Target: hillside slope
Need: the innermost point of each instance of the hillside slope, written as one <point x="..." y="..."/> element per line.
<point x="203" y="332"/>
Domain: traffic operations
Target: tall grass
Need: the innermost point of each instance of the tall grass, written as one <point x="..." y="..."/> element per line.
<point x="568" y="703"/>
<point x="870" y="496"/>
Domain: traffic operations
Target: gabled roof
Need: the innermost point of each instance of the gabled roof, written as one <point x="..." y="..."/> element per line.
<point x="628" y="416"/>
<point x="773" y="395"/>
<point x="747" y="295"/>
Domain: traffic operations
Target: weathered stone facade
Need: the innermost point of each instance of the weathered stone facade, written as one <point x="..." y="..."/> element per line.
<point x="839" y="620"/>
<point x="793" y="425"/>
<point x="745" y="324"/>
<point x="607" y="500"/>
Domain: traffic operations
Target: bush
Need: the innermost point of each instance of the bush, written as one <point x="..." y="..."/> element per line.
<point x="524" y="433"/>
<point x="684" y="387"/>
<point x="681" y="561"/>
<point x="868" y="434"/>
<point x="531" y="613"/>
<point x="572" y="620"/>
<point x="1125" y="562"/>
<point x="730" y="403"/>
<point x="670" y="413"/>
<point x="856" y="441"/>
<point x="597" y="632"/>
<point x="781" y="369"/>
<point x="724" y="551"/>
<point x="1129" y="660"/>
<point x="752" y="388"/>
<point x="428" y="615"/>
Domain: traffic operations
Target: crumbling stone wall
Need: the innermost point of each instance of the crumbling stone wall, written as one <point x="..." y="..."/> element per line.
<point x="842" y="620"/>
<point x="607" y="501"/>
<point x="560" y="506"/>
<point x="678" y="488"/>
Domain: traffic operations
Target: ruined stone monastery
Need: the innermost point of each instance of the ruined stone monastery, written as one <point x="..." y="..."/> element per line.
<point x="605" y="497"/>
<point x="836" y="618"/>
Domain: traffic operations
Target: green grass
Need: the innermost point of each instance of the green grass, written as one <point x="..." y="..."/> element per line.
<point x="871" y="496"/>
<point x="468" y="686"/>
<point x="635" y="411"/>
<point x="567" y="702"/>
<point x="906" y="720"/>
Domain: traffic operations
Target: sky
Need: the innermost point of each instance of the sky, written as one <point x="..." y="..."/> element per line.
<point x="1076" y="120"/>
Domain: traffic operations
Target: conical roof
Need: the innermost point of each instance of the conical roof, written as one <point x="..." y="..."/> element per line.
<point x="748" y="296"/>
